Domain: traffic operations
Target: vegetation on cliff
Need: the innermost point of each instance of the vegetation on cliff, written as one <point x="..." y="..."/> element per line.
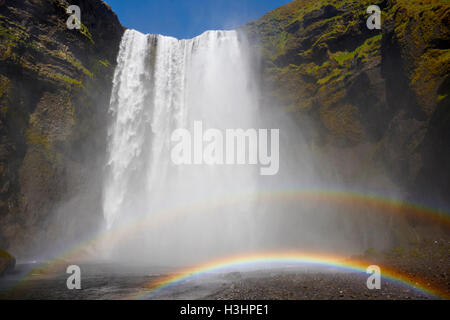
<point x="54" y="94"/>
<point x="378" y="99"/>
<point x="375" y="102"/>
<point x="361" y="86"/>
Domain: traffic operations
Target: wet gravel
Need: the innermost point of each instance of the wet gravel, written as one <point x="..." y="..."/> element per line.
<point x="314" y="286"/>
<point x="429" y="260"/>
<point x="254" y="285"/>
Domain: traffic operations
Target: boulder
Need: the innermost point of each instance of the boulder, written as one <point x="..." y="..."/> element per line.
<point x="7" y="262"/>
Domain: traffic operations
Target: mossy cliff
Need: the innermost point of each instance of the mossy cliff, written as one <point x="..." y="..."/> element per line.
<point x="373" y="102"/>
<point x="376" y="102"/>
<point x="54" y="94"/>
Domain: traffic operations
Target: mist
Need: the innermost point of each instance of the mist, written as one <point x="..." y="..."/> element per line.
<point x="162" y="214"/>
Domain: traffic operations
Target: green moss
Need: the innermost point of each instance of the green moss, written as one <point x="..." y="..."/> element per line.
<point x="308" y="7"/>
<point x="4" y="86"/>
<point x="311" y="68"/>
<point x="423" y="13"/>
<point x="105" y="63"/>
<point x="35" y="139"/>
<point x="426" y="77"/>
<point x="5" y="255"/>
<point x="342" y="121"/>
<point x="79" y="66"/>
<point x="4" y="89"/>
<point x="337" y="29"/>
<point x="35" y="46"/>
<point x="441" y="97"/>
<point x="4" y="32"/>
<point x="68" y="57"/>
<point x="418" y="24"/>
<point x="14" y="36"/>
<point x="66" y="79"/>
<point x="280" y="43"/>
<point x="368" y="49"/>
<point x="9" y="33"/>
<point x="336" y="72"/>
<point x="85" y="31"/>
<point x="343" y="57"/>
<point x="316" y="71"/>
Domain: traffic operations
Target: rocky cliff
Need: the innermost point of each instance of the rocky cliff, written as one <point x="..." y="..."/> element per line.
<point x="376" y="102"/>
<point x="54" y="95"/>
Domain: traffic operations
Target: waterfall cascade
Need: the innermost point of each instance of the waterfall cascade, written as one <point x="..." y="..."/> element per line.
<point x="162" y="84"/>
<point x="161" y="213"/>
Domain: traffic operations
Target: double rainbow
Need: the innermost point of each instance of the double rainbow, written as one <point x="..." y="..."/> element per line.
<point x="384" y="205"/>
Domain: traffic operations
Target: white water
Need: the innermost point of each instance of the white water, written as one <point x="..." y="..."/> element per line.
<point x="162" y="84"/>
<point x="161" y="214"/>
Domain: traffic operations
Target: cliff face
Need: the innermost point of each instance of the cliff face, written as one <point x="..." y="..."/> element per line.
<point x="54" y="95"/>
<point x="376" y="102"/>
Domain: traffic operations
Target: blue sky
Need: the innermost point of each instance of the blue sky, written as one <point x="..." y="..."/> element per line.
<point x="188" y="18"/>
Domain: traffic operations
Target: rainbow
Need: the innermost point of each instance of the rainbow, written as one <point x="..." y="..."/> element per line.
<point x="384" y="205"/>
<point x="288" y="258"/>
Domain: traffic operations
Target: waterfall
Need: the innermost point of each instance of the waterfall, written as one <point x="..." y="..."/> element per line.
<point x="162" y="84"/>
<point x="162" y="213"/>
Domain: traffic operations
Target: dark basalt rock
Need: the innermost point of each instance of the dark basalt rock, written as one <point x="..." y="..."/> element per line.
<point x="54" y="96"/>
<point x="378" y="98"/>
<point x="323" y="13"/>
